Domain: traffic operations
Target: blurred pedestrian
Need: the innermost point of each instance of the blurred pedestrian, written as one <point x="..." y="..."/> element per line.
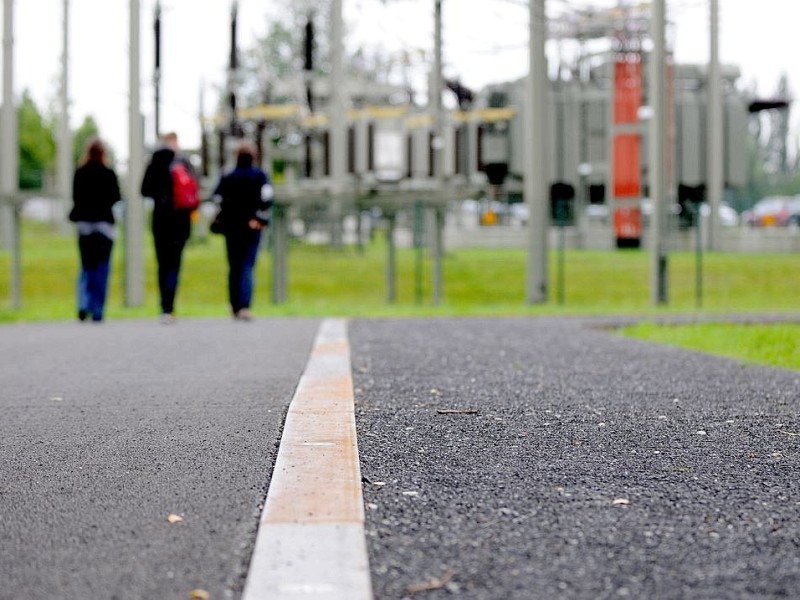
<point x="95" y="190"/>
<point x="171" y="226"/>
<point x="245" y="196"/>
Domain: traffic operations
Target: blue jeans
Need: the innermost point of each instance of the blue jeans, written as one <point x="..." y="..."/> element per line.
<point x="95" y="252"/>
<point x="242" y="247"/>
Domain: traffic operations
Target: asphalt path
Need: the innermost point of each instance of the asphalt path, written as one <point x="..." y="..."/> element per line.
<point x="546" y="458"/>
<point x="518" y="458"/>
<point x="109" y="429"/>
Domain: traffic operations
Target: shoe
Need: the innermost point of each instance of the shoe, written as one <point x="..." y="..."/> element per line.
<point x="83" y="315"/>
<point x="167" y="319"/>
<point x="243" y="314"/>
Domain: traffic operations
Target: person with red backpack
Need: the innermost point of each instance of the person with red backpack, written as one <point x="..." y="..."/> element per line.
<point x="169" y="180"/>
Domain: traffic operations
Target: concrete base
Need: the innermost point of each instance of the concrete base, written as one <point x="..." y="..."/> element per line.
<point x="597" y="236"/>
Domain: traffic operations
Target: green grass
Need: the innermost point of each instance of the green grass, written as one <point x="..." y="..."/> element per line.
<point x="775" y="344"/>
<point x="347" y="282"/>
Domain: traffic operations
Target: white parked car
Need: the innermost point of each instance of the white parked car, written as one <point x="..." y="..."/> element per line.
<point x="773" y="211"/>
<point x="728" y="217"/>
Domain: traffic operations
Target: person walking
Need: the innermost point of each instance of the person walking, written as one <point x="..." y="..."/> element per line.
<point x="244" y="196"/>
<point x="171" y="226"/>
<point x="95" y="190"/>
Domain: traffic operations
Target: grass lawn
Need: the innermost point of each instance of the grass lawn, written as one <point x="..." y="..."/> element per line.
<point x="774" y="344"/>
<point x="347" y="282"/>
<point x="326" y="282"/>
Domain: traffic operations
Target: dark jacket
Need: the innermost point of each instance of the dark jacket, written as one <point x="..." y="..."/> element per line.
<point x="157" y="184"/>
<point x="95" y="189"/>
<point x="245" y="193"/>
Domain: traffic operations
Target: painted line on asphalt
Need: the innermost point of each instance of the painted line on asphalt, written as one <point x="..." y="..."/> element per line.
<point x="310" y="541"/>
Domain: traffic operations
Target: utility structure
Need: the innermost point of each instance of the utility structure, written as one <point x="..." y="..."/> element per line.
<point x="589" y="136"/>
<point x="64" y="147"/>
<point x="234" y="126"/>
<point x="342" y="146"/>
<point x="231" y="128"/>
<point x="715" y="147"/>
<point x="9" y="160"/>
<point x="536" y="156"/>
<point x="659" y="150"/>
<point x="625" y="155"/>
<point x="308" y="60"/>
<point x="598" y="128"/>
<point x="437" y="150"/>
<point x="9" y="145"/>
<point x="134" y="204"/>
<point x="157" y="70"/>
<point x="338" y="123"/>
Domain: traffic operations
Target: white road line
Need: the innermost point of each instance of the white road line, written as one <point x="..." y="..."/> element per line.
<point x="310" y="542"/>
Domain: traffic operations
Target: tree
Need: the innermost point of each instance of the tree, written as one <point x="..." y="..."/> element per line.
<point x="273" y="57"/>
<point x="758" y="184"/>
<point x="772" y="172"/>
<point x="37" y="147"/>
<point x="87" y="130"/>
<point x="277" y="56"/>
<point x="37" y="143"/>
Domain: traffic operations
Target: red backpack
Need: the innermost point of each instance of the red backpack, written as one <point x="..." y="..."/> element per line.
<point x="185" y="193"/>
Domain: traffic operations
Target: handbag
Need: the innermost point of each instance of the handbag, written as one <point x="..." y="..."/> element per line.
<point x="217" y="225"/>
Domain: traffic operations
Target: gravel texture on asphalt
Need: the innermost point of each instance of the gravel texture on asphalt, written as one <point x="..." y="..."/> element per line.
<point x="107" y="430"/>
<point x="545" y="458"/>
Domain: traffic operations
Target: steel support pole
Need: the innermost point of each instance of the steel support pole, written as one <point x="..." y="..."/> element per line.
<point x="535" y="172"/>
<point x="435" y="93"/>
<point x="234" y="127"/>
<point x="714" y="146"/>
<point x="280" y="245"/>
<point x="419" y="243"/>
<point x="157" y="71"/>
<point x="16" y="267"/>
<point x="658" y="153"/>
<point x="10" y="232"/>
<point x="64" y="148"/>
<point x="9" y="136"/>
<point x="437" y="84"/>
<point x="231" y="135"/>
<point x="437" y="248"/>
<point x="134" y="205"/>
<point x="391" y="259"/>
<point x="338" y="123"/>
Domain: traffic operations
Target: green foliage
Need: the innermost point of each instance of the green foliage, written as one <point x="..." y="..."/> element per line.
<point x="37" y="148"/>
<point x="86" y="131"/>
<point x="770" y="344"/>
<point x="278" y="54"/>
<point x="770" y="172"/>
<point x="273" y="57"/>
<point x="37" y="143"/>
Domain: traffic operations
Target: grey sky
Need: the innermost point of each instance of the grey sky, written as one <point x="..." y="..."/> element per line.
<point x="484" y="42"/>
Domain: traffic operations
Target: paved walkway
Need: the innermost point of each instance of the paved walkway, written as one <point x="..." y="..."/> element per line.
<point x="107" y="430"/>
<point x="547" y="459"/>
<point x="501" y="458"/>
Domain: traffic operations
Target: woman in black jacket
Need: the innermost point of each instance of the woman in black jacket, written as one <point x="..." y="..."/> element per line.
<point x="244" y="196"/>
<point x="95" y="189"/>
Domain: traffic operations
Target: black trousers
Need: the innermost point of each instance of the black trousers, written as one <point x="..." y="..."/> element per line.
<point x="169" y="251"/>
<point x="242" y="251"/>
